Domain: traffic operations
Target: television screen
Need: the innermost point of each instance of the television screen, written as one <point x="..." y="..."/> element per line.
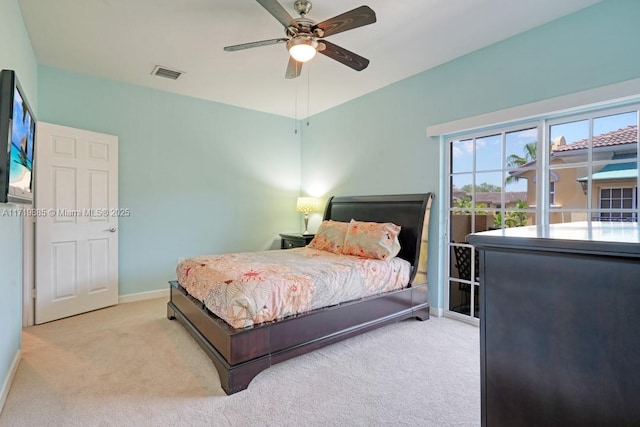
<point x="21" y="152"/>
<point x="17" y="141"/>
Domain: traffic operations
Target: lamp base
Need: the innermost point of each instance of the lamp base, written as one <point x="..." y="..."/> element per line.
<point x="306" y="223"/>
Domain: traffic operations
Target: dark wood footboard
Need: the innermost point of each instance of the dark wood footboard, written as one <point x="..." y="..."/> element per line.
<point x="241" y="354"/>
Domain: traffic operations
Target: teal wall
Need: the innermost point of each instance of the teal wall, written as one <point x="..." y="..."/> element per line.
<point x="16" y="54"/>
<point x="199" y="177"/>
<point x="378" y="143"/>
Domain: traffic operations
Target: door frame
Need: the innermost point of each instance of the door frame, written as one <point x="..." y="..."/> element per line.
<point x="28" y="271"/>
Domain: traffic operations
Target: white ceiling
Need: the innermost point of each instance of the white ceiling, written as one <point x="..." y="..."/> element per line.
<point x="124" y="39"/>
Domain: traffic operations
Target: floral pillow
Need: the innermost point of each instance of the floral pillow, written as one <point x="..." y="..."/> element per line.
<point x="330" y="236"/>
<point x="372" y="240"/>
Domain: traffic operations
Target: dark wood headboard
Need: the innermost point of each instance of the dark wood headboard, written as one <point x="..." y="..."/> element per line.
<point x="406" y="210"/>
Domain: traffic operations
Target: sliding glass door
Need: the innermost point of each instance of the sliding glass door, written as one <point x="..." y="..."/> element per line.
<point x="589" y="165"/>
<point x="485" y="194"/>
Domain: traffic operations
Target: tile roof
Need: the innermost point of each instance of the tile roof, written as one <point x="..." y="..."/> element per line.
<point x="623" y="136"/>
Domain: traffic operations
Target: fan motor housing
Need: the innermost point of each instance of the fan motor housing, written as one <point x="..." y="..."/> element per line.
<point x="305" y="27"/>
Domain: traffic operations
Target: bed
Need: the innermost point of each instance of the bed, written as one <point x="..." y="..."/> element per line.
<point x="241" y="353"/>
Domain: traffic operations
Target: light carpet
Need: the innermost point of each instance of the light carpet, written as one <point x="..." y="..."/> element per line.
<point x="129" y="365"/>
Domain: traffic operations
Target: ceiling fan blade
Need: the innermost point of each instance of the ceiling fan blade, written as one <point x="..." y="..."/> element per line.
<point x="278" y="12"/>
<point x="254" y="44"/>
<point x="293" y="69"/>
<point x="344" y="56"/>
<point x="355" y="18"/>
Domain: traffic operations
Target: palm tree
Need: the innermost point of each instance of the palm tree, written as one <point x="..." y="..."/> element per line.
<point x="514" y="161"/>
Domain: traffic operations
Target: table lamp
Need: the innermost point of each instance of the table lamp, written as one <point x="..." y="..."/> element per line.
<point x="306" y="205"/>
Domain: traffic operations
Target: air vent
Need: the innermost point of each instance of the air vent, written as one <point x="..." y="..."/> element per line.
<point x="166" y="72"/>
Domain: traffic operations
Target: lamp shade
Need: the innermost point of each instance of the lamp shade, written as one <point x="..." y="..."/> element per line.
<point x="302" y="48"/>
<point x="308" y="204"/>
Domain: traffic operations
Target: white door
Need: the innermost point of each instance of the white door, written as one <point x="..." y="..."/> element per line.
<point x="76" y="208"/>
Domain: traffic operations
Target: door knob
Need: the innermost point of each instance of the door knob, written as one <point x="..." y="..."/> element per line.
<point x="111" y="230"/>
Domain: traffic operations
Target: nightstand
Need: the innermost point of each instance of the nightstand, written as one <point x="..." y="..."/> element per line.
<point x="294" y="240"/>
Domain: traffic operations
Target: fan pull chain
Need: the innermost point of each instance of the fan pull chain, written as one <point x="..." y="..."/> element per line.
<point x="308" y="92"/>
<point x="295" y="112"/>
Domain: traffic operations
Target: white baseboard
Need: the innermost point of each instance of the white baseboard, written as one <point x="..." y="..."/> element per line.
<point x="141" y="296"/>
<point x="436" y="312"/>
<point x="7" y="384"/>
<point x="463" y="318"/>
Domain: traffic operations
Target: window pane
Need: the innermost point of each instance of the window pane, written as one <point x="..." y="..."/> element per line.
<point x="614" y="122"/>
<point x="467" y="216"/>
<point x="464" y="223"/>
<point x="461" y="191"/>
<point x="517" y="192"/>
<point x="569" y="142"/>
<point x="518" y="218"/>
<point x="615" y="151"/>
<point x="464" y="271"/>
<point x="571" y="187"/>
<point x="488" y="151"/>
<point x="460" y="298"/>
<point x="520" y="182"/>
<point x="462" y="156"/>
<point x="488" y="190"/>
<point x="521" y="148"/>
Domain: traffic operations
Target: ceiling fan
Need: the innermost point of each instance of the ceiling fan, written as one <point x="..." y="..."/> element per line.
<point x="304" y="37"/>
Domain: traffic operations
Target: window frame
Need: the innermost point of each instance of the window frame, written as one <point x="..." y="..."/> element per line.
<point x="545" y="189"/>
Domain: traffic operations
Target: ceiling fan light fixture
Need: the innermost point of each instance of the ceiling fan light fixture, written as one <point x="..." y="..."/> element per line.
<point x="302" y="49"/>
<point x="304" y="37"/>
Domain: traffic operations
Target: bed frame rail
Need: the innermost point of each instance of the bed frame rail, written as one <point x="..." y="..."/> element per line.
<point x="241" y="354"/>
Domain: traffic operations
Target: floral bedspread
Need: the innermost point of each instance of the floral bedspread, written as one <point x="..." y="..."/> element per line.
<point x="255" y="287"/>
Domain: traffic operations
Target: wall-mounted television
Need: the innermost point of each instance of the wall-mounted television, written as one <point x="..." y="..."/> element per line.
<point x="17" y="141"/>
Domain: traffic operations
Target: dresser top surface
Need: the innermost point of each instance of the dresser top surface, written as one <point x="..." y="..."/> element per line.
<point x="619" y="237"/>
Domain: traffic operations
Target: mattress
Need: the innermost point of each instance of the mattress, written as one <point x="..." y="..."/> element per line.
<point x="250" y="288"/>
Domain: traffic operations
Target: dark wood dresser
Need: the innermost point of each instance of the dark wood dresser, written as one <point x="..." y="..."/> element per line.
<point x="560" y="325"/>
